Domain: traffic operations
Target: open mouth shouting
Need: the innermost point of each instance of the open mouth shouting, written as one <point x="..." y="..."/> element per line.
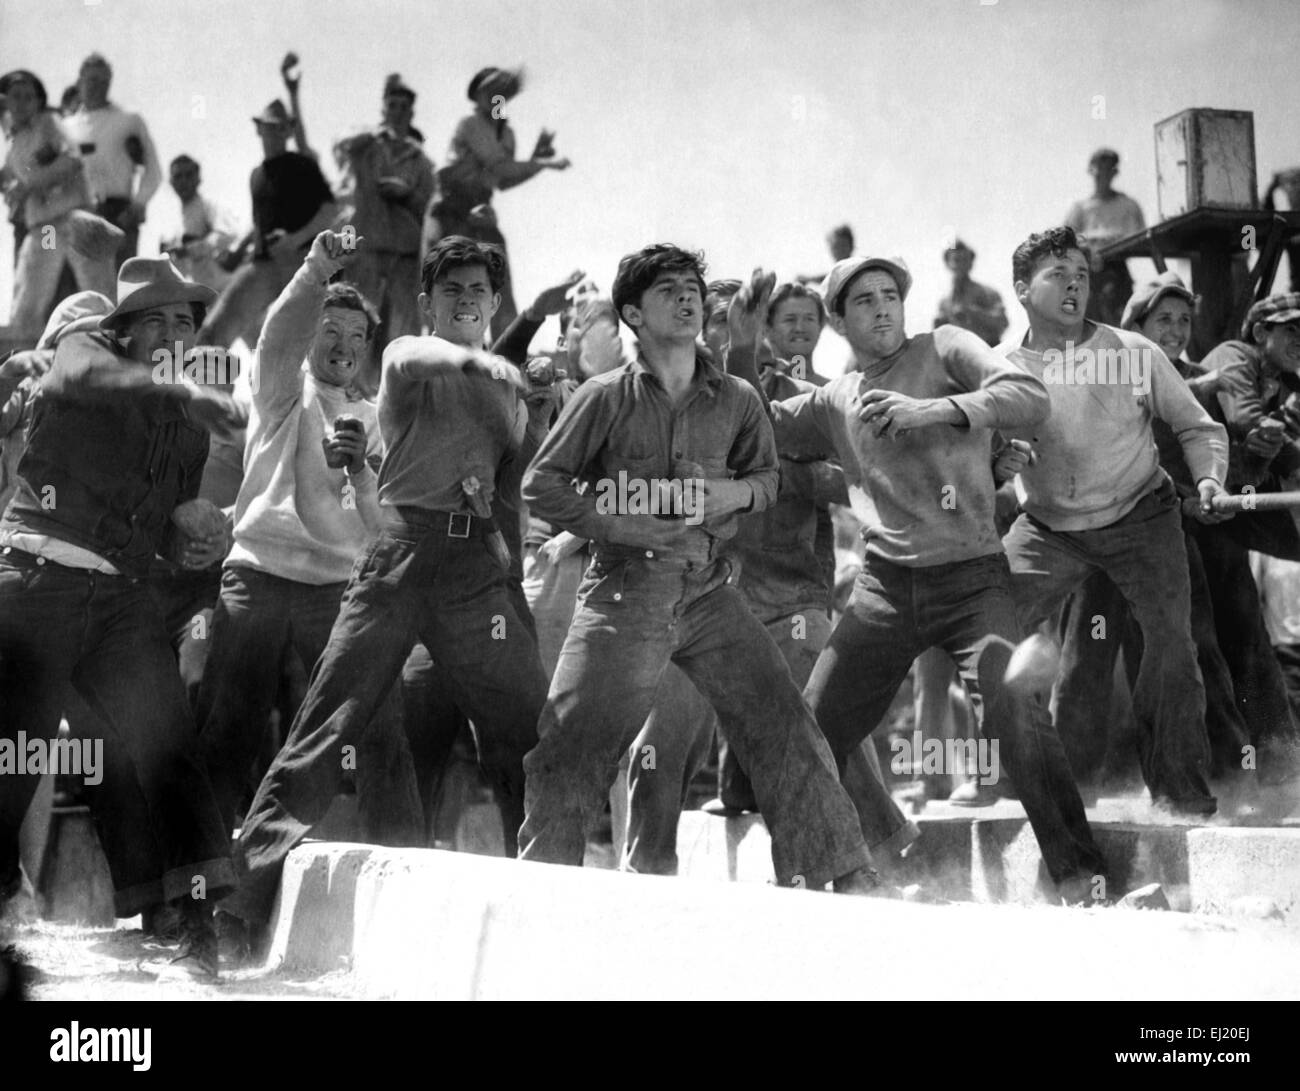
<point x="1070" y="305"/>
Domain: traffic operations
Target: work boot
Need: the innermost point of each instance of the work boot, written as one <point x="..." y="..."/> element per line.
<point x="198" y="951"/>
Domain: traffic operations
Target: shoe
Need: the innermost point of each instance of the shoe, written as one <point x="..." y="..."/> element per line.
<point x="974" y="794"/>
<point x="1192" y="807"/>
<point x="864" y="882"/>
<point x="162" y="923"/>
<point x="239" y="943"/>
<point x="198" y="956"/>
<point x="1083" y="891"/>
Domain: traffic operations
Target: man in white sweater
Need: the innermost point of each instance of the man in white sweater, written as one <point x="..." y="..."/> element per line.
<point x="307" y="507"/>
<point x="1094" y="497"/>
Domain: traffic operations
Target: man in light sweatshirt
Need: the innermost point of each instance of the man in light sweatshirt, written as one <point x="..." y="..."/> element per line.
<point x="913" y="427"/>
<point x="299" y="521"/>
<point x="1094" y="497"/>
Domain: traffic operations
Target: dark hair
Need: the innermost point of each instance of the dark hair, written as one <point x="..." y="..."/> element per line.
<point x="792" y="289"/>
<point x="457" y="252"/>
<point x="183" y="160"/>
<point x="1055" y="242"/>
<point x="1104" y="155"/>
<point x="347" y="297"/>
<point x="719" y="294"/>
<point x="636" y="272"/>
<point x="842" y="231"/>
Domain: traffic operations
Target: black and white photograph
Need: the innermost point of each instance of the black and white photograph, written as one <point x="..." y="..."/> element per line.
<point x="649" y="500"/>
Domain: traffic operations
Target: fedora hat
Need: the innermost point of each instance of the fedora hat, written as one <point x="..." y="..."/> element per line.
<point x="274" y="114"/>
<point x="143" y="283"/>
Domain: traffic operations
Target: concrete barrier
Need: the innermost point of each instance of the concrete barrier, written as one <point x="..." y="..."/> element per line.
<point x="441" y="925"/>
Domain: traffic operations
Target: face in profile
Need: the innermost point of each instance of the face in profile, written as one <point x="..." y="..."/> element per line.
<point x="1280" y="344"/>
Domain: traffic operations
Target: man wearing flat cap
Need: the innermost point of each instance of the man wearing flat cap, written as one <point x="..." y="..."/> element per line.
<point x="111" y="471"/>
<point x="913" y="426"/>
<point x="481" y="160"/>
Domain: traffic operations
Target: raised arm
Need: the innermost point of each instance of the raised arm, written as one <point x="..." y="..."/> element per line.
<point x="292" y="322"/>
<point x="88" y="369"/>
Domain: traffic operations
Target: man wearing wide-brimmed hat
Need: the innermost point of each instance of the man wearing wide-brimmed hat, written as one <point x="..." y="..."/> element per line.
<point x="113" y="461"/>
<point x="292" y="204"/>
<point x="481" y="160"/>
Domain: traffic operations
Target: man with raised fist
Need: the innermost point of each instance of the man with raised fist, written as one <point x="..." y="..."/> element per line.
<point x="307" y="506"/>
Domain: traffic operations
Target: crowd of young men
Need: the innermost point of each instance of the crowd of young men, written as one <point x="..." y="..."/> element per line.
<point x="379" y="538"/>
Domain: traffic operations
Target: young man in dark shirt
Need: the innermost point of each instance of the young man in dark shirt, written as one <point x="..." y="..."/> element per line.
<point x="658" y="592"/>
<point x="292" y="204"/>
<point x="451" y="417"/>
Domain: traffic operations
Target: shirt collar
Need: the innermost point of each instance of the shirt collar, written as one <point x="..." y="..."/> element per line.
<point x="708" y="376"/>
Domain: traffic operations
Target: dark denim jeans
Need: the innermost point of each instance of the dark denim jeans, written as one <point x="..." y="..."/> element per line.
<point x="414" y="581"/>
<point x="1144" y="556"/>
<point x="62" y="630"/>
<point x="1084" y="688"/>
<point x="679" y="729"/>
<point x="637" y="612"/>
<point x="965" y="608"/>
<point x="259" y="618"/>
<point x="1256" y="674"/>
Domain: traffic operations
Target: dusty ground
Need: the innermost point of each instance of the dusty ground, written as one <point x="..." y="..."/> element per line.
<point x="72" y="962"/>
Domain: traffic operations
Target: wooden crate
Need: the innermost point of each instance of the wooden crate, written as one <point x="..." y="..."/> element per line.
<point x="1205" y="159"/>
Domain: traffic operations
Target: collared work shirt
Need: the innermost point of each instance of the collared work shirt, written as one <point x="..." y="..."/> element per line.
<point x="624" y="423"/>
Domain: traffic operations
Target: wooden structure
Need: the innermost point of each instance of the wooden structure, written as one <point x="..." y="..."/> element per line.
<point x="1218" y="242"/>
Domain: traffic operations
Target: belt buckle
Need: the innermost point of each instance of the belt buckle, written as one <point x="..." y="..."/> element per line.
<point x="451" y="524"/>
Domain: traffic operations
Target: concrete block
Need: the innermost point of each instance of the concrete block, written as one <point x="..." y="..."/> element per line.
<point x="1226" y="864"/>
<point x="439" y="925"/>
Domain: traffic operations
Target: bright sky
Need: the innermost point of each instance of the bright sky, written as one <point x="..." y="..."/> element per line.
<point x="746" y="129"/>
